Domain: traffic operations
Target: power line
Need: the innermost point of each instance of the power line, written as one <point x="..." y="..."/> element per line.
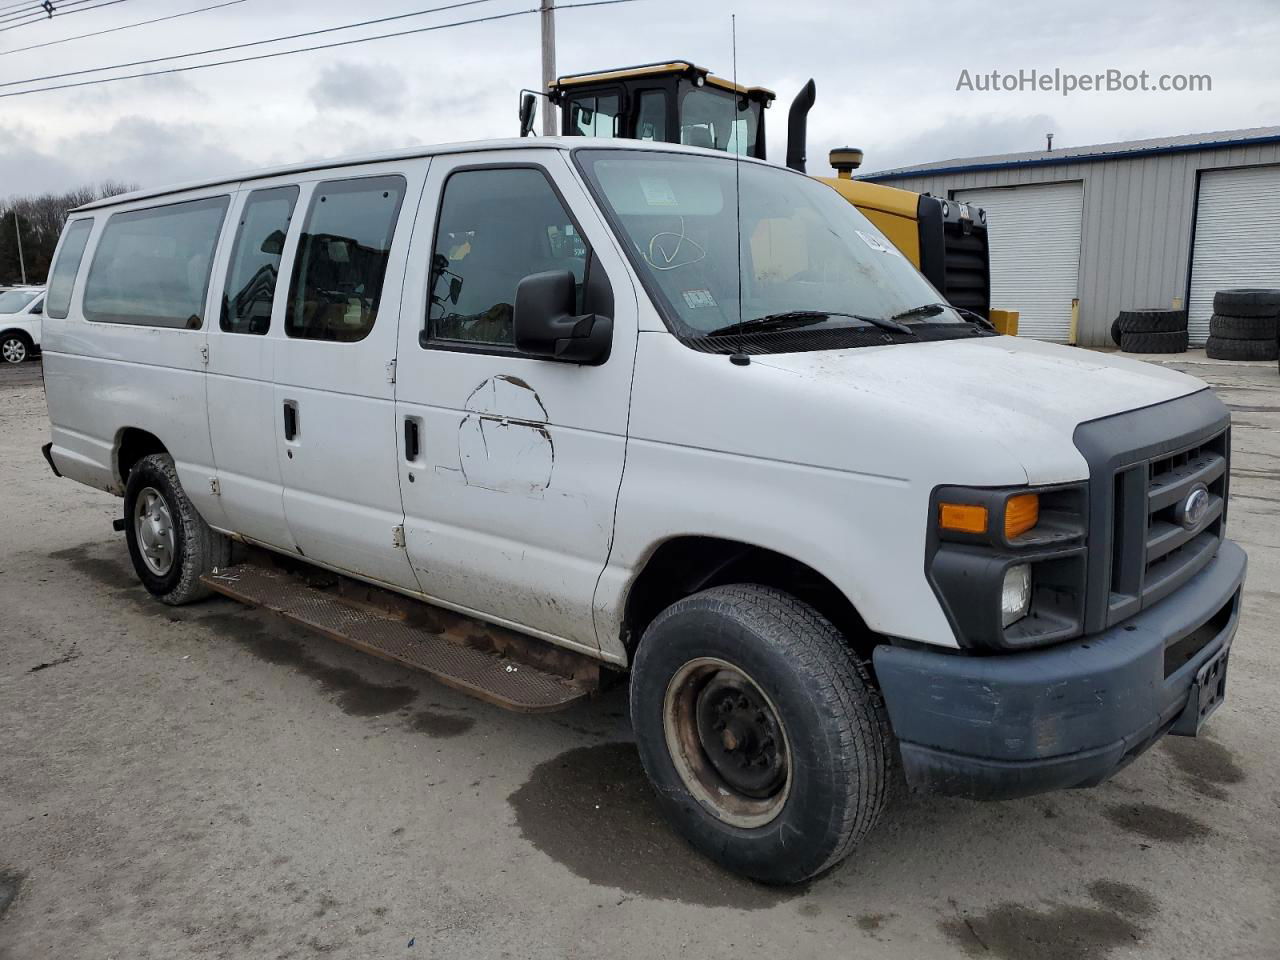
<point x="242" y="46"/>
<point x="126" y="26"/>
<point x="27" y="3"/>
<point x="310" y="49"/>
<point x="40" y="12"/>
<point x="61" y="11"/>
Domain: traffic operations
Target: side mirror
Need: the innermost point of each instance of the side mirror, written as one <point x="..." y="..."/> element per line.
<point x="545" y="326"/>
<point x="528" y="111"/>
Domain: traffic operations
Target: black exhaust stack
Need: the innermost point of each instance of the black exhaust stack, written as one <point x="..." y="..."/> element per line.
<point x="798" y="125"/>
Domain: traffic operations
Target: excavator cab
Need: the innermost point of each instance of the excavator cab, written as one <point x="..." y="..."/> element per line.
<point x="672" y="102"/>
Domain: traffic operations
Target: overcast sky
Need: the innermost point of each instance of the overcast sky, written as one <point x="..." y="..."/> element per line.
<point x="886" y="76"/>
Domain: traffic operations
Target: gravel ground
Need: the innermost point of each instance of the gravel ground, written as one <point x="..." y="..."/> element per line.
<point x="208" y="782"/>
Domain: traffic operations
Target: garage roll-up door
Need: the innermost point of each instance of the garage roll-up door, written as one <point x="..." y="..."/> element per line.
<point x="1034" y="235"/>
<point x="1237" y="241"/>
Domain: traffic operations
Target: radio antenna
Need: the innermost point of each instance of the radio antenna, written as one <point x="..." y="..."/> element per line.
<point x="737" y="159"/>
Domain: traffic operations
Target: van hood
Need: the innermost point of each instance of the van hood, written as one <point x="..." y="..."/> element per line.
<point x="1025" y="395"/>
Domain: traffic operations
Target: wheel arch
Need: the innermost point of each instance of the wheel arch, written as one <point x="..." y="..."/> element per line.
<point x="21" y="334"/>
<point x="132" y="444"/>
<point x="685" y="565"/>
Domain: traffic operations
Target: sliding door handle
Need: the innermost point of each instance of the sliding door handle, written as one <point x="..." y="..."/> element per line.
<point x="290" y="419"/>
<point x="412" y="439"/>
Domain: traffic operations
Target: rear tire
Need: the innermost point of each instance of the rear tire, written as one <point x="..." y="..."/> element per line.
<point x="15" y="348"/>
<point x="761" y="731"/>
<point x="1218" y="348"/>
<point x="170" y="544"/>
<point x="1175" y="342"/>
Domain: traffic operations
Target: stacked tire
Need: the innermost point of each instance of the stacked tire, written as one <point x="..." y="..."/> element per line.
<point x="1151" y="331"/>
<point x="1244" y="325"/>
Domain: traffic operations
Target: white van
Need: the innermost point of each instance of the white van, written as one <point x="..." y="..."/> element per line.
<point x="20" y="311"/>
<point x="533" y="414"/>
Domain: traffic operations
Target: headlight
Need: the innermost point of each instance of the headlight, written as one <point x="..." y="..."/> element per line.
<point x="1008" y="563"/>
<point x="1015" y="595"/>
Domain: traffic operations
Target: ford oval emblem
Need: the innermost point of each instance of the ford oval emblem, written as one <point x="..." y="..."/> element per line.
<point x="1191" y="512"/>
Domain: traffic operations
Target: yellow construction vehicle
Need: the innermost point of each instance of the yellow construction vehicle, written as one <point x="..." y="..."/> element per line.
<point x="679" y="102"/>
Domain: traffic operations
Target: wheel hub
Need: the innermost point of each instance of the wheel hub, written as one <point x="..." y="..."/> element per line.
<point x="727" y="742"/>
<point x="153" y="525"/>
<point x="740" y="735"/>
<point x="13" y="350"/>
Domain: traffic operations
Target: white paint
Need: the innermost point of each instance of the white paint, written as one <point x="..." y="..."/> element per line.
<point x="541" y="489"/>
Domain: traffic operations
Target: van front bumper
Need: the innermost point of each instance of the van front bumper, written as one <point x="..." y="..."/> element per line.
<point x="1070" y="715"/>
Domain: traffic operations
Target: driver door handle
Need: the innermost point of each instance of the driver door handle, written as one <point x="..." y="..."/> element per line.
<point x="290" y="419"/>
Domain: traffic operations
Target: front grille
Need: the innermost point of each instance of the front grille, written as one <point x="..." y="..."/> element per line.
<point x="1142" y="466"/>
<point x="1152" y="552"/>
<point x="966" y="266"/>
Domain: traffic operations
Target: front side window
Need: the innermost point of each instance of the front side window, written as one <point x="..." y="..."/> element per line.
<point x="594" y="116"/>
<point x="152" y="266"/>
<point x="701" y="229"/>
<point x="718" y="120"/>
<point x="342" y="258"/>
<point x="38" y="309"/>
<point x="62" y="278"/>
<point x="495" y="228"/>
<point x="14" y="300"/>
<point x="255" y="260"/>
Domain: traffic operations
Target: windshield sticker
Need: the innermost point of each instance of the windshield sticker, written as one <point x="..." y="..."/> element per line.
<point x="657" y="192"/>
<point x="696" y="299"/>
<point x="875" y="244"/>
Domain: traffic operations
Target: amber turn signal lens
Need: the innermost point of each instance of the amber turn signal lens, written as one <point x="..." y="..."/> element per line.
<point x="1021" y="513"/>
<point x="962" y="517"/>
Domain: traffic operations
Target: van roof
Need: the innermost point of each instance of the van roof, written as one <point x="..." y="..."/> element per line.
<point x="406" y="153"/>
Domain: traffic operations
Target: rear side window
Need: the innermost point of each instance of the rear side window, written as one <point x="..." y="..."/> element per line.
<point x="255" y="260"/>
<point x="62" y="278"/>
<point x="342" y="258"/>
<point x="496" y="227"/>
<point x="151" y="266"/>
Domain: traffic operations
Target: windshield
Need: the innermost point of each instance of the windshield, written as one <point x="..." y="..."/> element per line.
<point x="14" y="300"/>
<point x="803" y="247"/>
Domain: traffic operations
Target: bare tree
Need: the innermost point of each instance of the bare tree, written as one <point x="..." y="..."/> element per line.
<point x="39" y="219"/>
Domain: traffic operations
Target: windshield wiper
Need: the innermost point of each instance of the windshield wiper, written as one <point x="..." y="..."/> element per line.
<point x="801" y="318"/>
<point x="933" y="309"/>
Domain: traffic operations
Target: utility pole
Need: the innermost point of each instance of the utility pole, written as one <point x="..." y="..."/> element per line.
<point x="548" y="10"/>
<point x="21" y="262"/>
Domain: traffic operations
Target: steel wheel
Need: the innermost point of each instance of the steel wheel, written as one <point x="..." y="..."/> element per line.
<point x="13" y="350"/>
<point x="153" y="524"/>
<point x="727" y="742"/>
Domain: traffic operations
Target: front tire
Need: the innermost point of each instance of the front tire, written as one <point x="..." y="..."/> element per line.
<point x="170" y="544"/>
<point x="761" y="731"/>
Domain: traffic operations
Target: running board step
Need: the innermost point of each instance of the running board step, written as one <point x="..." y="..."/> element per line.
<point x="435" y="642"/>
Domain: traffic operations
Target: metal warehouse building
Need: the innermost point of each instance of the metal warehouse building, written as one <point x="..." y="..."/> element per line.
<point x="1148" y="223"/>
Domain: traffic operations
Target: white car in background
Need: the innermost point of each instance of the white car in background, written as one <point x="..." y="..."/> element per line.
<point x="21" y="309"/>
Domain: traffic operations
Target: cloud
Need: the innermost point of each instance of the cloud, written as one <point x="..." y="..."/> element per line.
<point x="965" y="137"/>
<point x="359" y="88"/>
<point x="133" y="149"/>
